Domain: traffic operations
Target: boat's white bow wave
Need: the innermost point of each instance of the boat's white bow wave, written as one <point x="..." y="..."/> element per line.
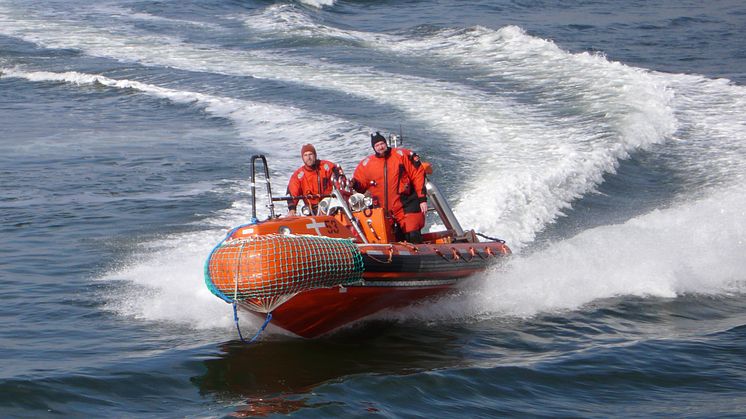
<point x="695" y="247"/>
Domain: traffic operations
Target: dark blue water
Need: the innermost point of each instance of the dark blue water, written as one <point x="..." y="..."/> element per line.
<point x="605" y="141"/>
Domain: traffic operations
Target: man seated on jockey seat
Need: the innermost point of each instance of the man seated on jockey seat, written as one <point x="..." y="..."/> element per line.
<point x="312" y="179"/>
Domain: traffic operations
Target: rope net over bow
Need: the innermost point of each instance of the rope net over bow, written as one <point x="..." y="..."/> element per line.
<point x="262" y="272"/>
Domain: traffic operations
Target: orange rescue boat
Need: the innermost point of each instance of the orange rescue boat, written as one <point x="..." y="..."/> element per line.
<point x="318" y="272"/>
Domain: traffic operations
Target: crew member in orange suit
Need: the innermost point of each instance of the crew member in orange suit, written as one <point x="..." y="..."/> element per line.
<point x="313" y="178"/>
<point x="395" y="179"/>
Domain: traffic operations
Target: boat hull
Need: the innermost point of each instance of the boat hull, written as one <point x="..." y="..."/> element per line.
<point x="314" y="276"/>
<point x="320" y="311"/>
<point x="390" y="280"/>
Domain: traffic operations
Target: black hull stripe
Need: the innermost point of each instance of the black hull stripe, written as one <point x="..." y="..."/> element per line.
<point x="422" y="264"/>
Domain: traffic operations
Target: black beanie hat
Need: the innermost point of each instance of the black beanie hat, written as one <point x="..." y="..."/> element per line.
<point x="377" y="137"/>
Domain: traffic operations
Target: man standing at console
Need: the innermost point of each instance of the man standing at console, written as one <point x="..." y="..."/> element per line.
<point x="395" y="179"/>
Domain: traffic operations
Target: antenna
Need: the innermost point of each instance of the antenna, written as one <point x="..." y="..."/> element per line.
<point x="396" y="140"/>
<point x="393" y="140"/>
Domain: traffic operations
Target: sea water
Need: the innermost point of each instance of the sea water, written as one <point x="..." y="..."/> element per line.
<point x="604" y="141"/>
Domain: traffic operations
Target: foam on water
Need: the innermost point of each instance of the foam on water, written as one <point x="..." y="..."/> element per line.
<point x="285" y="20"/>
<point x="447" y="107"/>
<point x="710" y="147"/>
<point x="166" y="278"/>
<point x="108" y="11"/>
<point x="696" y="247"/>
<point x="317" y="3"/>
<point x="280" y="126"/>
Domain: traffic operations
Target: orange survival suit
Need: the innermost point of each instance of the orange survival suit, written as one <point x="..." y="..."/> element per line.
<point x="315" y="180"/>
<point x="396" y="180"/>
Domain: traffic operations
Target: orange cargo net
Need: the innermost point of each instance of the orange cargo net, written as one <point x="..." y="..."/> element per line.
<point x="265" y="271"/>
